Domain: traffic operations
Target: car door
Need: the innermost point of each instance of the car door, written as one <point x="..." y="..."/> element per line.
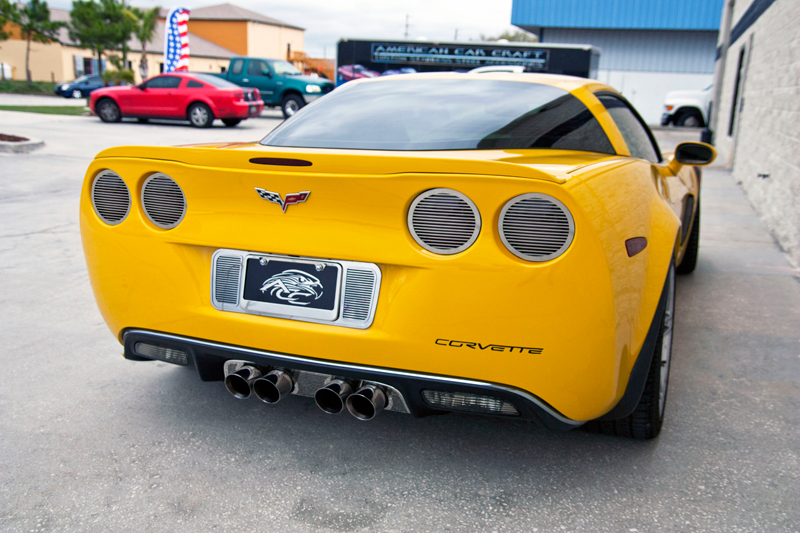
<point x="161" y="98"/>
<point x="236" y="72"/>
<point x="642" y="145"/>
<point x="262" y="77"/>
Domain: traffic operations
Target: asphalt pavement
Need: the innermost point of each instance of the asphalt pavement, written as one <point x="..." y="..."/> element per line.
<point x="92" y="442"/>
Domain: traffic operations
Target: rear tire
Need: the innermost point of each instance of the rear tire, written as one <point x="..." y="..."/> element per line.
<point x="200" y="115"/>
<point x="76" y="93"/>
<point x="108" y="110"/>
<point x="291" y="104"/>
<point x="231" y="122"/>
<point x="645" y="421"/>
<point x="689" y="261"/>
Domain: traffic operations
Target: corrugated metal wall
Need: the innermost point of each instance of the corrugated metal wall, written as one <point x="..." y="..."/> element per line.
<point x="650" y="51"/>
<point x="618" y="14"/>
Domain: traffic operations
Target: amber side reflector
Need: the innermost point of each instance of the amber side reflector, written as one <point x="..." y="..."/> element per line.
<point x="635" y="245"/>
<point x="280" y="162"/>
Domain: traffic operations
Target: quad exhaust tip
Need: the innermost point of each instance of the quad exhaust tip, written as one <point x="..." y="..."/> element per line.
<point x="240" y="382"/>
<point x="366" y="402"/>
<point x="332" y="396"/>
<point x="273" y="387"/>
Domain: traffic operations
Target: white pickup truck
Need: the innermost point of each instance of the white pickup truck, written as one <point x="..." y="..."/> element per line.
<point x="687" y="108"/>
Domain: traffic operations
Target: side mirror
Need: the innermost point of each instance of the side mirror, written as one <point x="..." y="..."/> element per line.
<point x="692" y="153"/>
<point x="267" y="73"/>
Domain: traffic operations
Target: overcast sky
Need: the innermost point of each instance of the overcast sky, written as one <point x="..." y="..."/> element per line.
<point x="327" y="21"/>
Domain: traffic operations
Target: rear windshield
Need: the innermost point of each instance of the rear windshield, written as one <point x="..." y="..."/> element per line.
<point x="444" y="114"/>
<point x="215" y="81"/>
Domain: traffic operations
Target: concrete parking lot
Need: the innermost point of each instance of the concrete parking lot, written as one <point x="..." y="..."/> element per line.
<point x="92" y="442"/>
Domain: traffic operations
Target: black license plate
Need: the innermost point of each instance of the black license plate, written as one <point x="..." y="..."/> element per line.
<point x="297" y="288"/>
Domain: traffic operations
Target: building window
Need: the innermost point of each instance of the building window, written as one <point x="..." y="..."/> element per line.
<point x="736" y="91"/>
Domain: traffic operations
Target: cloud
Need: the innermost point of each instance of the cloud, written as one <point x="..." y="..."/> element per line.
<point x="328" y="21"/>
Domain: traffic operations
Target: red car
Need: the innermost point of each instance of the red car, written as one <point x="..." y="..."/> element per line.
<point x="198" y="98"/>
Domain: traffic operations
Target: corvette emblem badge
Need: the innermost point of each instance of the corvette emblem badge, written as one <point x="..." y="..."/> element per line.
<point x="291" y="198"/>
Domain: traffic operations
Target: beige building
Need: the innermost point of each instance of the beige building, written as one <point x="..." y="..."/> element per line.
<point x="757" y="125"/>
<point x="245" y="32"/>
<point x="216" y="34"/>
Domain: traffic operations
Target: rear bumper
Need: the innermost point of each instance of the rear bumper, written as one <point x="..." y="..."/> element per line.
<point x="208" y="359"/>
<point x="245" y="109"/>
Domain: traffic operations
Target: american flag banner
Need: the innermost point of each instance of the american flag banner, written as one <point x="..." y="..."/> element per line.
<point x="176" y="42"/>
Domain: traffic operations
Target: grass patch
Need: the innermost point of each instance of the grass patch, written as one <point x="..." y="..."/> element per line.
<point x="21" y="87"/>
<point x="47" y="109"/>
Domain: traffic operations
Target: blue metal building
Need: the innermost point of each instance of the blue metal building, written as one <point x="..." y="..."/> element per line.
<point x="648" y="47"/>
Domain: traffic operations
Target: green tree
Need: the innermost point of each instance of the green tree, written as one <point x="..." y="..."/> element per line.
<point x="103" y="27"/>
<point x="144" y="32"/>
<point x="517" y="36"/>
<point x="8" y="13"/>
<point x="35" y="26"/>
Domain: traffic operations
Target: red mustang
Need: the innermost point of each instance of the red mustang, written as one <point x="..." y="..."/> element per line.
<point x="198" y="98"/>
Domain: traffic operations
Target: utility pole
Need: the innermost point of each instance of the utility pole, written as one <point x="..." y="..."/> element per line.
<point x="406" y="33"/>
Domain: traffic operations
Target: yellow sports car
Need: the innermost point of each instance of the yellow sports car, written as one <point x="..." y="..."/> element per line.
<point x="500" y="244"/>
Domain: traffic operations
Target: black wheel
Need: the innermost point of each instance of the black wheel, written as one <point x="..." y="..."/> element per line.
<point x="647" y="418"/>
<point x="76" y="93"/>
<point x="689" y="261"/>
<point x="231" y="122"/>
<point x="690" y="118"/>
<point x="108" y="110"/>
<point x="291" y="104"/>
<point x="200" y="115"/>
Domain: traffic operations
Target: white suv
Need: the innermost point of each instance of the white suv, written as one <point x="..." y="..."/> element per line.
<point x="687" y="108"/>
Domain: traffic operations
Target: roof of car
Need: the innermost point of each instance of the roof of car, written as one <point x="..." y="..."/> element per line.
<point x="567" y="83"/>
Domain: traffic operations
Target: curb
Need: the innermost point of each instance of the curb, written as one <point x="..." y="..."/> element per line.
<point x="20" y="147"/>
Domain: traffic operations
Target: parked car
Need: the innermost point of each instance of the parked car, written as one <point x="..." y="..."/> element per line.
<point x="81" y="87"/>
<point x="355" y="72"/>
<point x="687" y="108"/>
<point x="395" y="72"/>
<point x="279" y="82"/>
<point x="198" y="98"/>
<point x="419" y="244"/>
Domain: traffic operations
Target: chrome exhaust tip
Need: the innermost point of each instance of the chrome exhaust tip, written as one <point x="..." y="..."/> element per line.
<point x="332" y="396"/>
<point x="273" y="387"/>
<point x="367" y="402"/>
<point x="240" y="383"/>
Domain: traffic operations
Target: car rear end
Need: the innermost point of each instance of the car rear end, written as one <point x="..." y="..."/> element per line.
<point x="451" y="311"/>
<point x="241" y="103"/>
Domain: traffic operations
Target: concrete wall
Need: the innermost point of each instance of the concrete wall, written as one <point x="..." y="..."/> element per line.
<point x="48" y="62"/>
<point x="647" y="90"/>
<point x="265" y="40"/>
<point x="766" y="131"/>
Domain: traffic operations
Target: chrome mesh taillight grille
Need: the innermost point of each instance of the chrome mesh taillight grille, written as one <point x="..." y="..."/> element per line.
<point x="227" y="272"/>
<point x="110" y="197"/>
<point x="444" y="221"/>
<point x="536" y="227"/>
<point x="163" y="201"/>
<point x="358" y="289"/>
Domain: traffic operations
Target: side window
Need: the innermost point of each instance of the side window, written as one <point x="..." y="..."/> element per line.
<point x="194" y="85"/>
<point x="256" y="67"/>
<point x="636" y="134"/>
<point x="237" y="66"/>
<point x="562" y="124"/>
<point x="171" y="82"/>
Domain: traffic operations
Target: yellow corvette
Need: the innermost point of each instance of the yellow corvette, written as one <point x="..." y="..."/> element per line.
<point x="499" y="244"/>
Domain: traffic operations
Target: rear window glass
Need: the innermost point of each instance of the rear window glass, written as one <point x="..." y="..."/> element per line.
<point x="444" y="114"/>
<point x="215" y="81"/>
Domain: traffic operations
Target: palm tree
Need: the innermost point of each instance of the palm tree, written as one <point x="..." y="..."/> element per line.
<point x="35" y="26"/>
<point x="144" y="32"/>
